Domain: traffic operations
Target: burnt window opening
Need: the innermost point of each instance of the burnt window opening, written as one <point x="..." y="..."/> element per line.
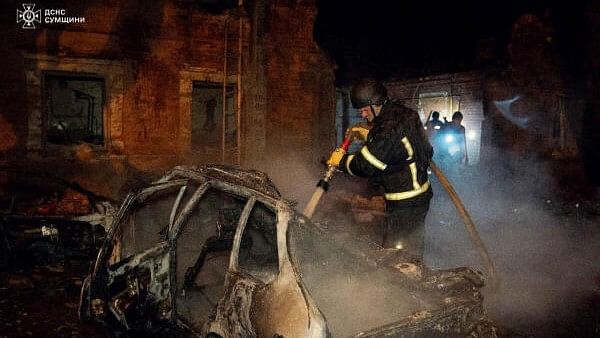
<point x="211" y="133"/>
<point x="74" y="109"/>
<point x="258" y="248"/>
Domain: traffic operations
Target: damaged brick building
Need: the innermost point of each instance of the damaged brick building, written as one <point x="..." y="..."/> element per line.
<point x="519" y="96"/>
<point x="139" y="87"/>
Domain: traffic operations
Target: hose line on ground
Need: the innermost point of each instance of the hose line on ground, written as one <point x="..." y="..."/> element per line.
<point x="471" y="229"/>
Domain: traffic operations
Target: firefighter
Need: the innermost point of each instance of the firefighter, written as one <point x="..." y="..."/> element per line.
<point x="396" y="155"/>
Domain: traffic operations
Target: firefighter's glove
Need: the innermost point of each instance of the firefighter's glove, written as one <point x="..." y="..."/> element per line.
<point x="336" y="157"/>
<point x="359" y="132"/>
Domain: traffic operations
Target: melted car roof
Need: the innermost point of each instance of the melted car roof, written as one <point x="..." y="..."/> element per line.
<point x="251" y="179"/>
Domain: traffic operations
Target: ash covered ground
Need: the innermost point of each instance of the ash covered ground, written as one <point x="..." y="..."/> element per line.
<point x="41" y="300"/>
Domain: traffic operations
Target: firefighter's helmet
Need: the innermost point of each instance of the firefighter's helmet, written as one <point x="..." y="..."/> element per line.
<point x="368" y="92"/>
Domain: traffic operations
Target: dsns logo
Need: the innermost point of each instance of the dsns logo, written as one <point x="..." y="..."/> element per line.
<point x="28" y="16"/>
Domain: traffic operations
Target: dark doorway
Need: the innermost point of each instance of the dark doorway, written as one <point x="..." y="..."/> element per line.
<point x="213" y="136"/>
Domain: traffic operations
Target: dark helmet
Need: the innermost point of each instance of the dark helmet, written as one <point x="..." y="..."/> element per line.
<point x="435" y="115"/>
<point x="368" y="92"/>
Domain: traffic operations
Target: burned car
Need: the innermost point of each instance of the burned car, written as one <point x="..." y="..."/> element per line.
<point x="216" y="251"/>
<point x="49" y="220"/>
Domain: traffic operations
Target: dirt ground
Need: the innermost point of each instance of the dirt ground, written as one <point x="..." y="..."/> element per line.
<point x="42" y="300"/>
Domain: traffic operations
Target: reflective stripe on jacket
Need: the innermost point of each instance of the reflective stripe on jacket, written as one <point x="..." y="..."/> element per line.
<point x="396" y="153"/>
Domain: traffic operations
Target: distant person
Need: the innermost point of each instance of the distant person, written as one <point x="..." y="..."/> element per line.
<point x="452" y="136"/>
<point x="434" y="125"/>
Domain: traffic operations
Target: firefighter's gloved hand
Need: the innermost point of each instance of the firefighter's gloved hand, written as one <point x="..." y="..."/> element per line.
<point x="359" y="132"/>
<point x="336" y="157"/>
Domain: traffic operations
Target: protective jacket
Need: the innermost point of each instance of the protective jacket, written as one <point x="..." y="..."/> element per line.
<point x="396" y="153"/>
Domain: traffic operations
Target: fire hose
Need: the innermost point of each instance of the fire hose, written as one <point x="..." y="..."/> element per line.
<point x="469" y="224"/>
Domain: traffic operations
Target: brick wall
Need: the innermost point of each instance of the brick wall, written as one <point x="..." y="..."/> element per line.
<point x="446" y="93"/>
<point x="149" y="55"/>
<point x="300" y="91"/>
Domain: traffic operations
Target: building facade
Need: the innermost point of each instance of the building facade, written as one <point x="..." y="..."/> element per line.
<point x="144" y="86"/>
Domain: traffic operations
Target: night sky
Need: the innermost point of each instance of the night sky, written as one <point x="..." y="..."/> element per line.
<point x="413" y="38"/>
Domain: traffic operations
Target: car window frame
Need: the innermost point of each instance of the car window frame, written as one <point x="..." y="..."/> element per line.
<point x="130" y="201"/>
<point x="251" y="198"/>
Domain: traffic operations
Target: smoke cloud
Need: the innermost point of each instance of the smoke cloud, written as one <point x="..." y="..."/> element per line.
<point x="542" y="237"/>
<point x="543" y="241"/>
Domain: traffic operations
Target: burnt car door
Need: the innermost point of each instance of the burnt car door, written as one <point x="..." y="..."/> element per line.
<point x="263" y="293"/>
<point x="203" y="238"/>
<point x="229" y="258"/>
<point x="137" y="260"/>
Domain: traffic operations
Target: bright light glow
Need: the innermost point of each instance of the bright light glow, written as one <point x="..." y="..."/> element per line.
<point x="436" y="127"/>
<point x="471" y="135"/>
<point x="449" y="138"/>
<point x="399" y="246"/>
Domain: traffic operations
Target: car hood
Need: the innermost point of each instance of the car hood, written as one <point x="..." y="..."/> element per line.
<point x="352" y="294"/>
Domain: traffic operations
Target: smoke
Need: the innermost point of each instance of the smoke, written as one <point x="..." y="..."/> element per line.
<point x="505" y="107"/>
<point x="352" y="295"/>
<point x="294" y="176"/>
<point x="543" y="241"/>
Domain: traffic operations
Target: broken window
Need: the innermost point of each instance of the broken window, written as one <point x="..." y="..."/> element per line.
<point x="203" y="251"/>
<point x="213" y="135"/>
<point x="73" y="106"/>
<point x="145" y="224"/>
<point x="258" y="248"/>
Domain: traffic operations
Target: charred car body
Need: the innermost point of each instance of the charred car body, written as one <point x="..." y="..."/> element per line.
<point x="44" y="239"/>
<point x="49" y="220"/>
<point x="215" y="251"/>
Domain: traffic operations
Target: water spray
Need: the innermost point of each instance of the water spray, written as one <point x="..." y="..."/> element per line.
<point x="323" y="184"/>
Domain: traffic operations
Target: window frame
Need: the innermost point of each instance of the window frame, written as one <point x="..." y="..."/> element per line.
<point x="68" y="75"/>
<point x="235" y="263"/>
<point x="251" y="199"/>
<point x="129" y="203"/>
